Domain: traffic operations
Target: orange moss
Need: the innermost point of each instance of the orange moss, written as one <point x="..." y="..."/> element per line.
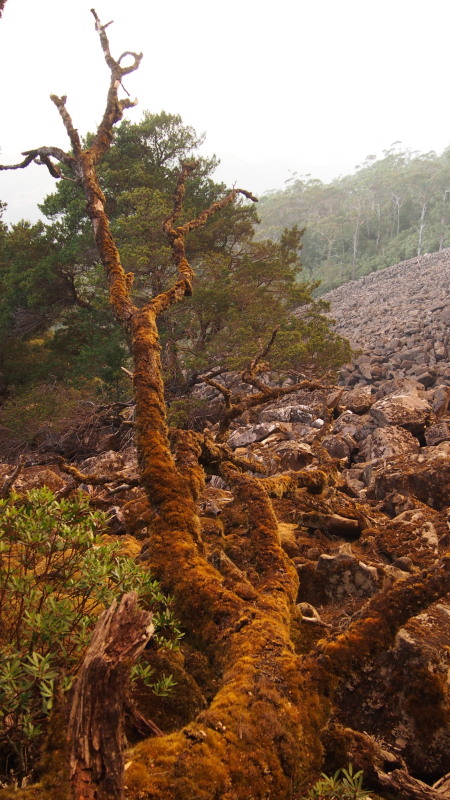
<point x="314" y="481"/>
<point x="377" y="624"/>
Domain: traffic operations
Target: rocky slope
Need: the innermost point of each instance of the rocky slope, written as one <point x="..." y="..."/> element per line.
<point x="399" y="318"/>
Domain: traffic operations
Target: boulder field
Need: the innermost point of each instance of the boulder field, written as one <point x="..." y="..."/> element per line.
<point x="399" y="318"/>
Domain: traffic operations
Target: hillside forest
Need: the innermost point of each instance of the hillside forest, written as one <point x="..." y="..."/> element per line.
<point x="391" y="209"/>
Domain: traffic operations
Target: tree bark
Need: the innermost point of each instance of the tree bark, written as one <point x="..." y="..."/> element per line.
<point x="96" y="718"/>
<point x="402" y="785"/>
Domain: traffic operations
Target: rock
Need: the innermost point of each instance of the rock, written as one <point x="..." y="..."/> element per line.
<point x="388" y="442"/>
<point x="288" y="413"/>
<point x="245" y="435"/>
<point x="358" y="427"/>
<point x="423" y="476"/>
<point x="358" y="400"/>
<point x="337" y="577"/>
<point x="440" y="400"/>
<point x="404" y="563"/>
<point x="404" y="694"/>
<point x="339" y="446"/>
<point x="399" y="318"/>
<point x="400" y="385"/>
<point x="427" y="378"/>
<point x="107" y="463"/>
<point x="36" y="477"/>
<point x="403" y="410"/>
<point x="435" y="434"/>
<point x="293" y="455"/>
<point x="352" y="478"/>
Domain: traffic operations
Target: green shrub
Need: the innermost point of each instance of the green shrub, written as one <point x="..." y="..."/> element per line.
<point x="57" y="573"/>
<point x="348" y="787"/>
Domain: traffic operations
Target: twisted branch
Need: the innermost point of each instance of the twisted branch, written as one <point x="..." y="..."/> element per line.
<point x="177" y="236"/>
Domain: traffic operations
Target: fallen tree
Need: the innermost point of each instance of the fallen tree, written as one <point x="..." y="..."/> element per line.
<point x="260" y="735"/>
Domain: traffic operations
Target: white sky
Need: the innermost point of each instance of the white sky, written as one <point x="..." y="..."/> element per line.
<point x="311" y="86"/>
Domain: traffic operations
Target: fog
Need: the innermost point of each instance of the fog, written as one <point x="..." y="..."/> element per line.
<point x="283" y="88"/>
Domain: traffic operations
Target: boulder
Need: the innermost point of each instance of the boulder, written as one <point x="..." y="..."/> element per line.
<point x="337" y="577"/>
<point x="245" y="435"/>
<point x="107" y="463"/>
<point x="402" y="695"/>
<point x="359" y="400"/>
<point x="403" y="410"/>
<point x="287" y="413"/>
<point x="358" y="427"/>
<point x="388" y="442"/>
<point x="293" y="455"/>
<point x="437" y="433"/>
<point x="440" y="400"/>
<point x="425" y="476"/>
<point x="339" y="446"/>
<point x="39" y="476"/>
<point x="412" y="534"/>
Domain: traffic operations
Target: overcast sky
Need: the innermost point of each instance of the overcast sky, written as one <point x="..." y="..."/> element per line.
<point x="306" y="86"/>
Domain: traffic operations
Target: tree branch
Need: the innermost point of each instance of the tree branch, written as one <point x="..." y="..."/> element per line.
<point x="60" y="103"/>
<point x="373" y="629"/>
<point x="177" y="236"/>
<point x="42" y="155"/>
<point x="114" y="107"/>
<point x="92" y="479"/>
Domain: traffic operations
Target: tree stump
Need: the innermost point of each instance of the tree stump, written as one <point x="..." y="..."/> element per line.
<point x="96" y="717"/>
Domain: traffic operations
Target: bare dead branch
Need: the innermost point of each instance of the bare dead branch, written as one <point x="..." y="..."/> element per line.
<point x="114" y="107"/>
<point x="11" y="479"/>
<point x="60" y="103"/>
<point x="127" y="372"/>
<point x="92" y="479"/>
<point x="402" y="785"/>
<point x="43" y="155"/>
<point x="227" y="394"/>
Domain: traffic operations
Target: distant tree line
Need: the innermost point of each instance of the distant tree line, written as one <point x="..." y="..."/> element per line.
<point x="391" y="209"/>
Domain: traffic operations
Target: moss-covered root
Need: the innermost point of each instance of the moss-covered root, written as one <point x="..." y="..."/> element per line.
<point x="377" y="623"/>
<point x="260" y="734"/>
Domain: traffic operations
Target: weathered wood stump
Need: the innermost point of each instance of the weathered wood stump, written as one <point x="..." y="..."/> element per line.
<point x="96" y="717"/>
